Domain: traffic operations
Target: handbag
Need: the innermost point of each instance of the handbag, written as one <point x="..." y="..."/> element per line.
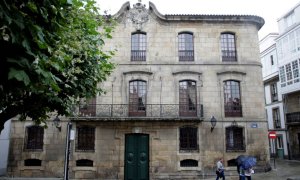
<point x="217" y="172"/>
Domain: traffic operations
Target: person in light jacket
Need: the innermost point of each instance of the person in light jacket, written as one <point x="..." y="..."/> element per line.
<point x="220" y="170"/>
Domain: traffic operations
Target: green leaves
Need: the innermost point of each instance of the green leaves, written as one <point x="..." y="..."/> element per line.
<point x="19" y="75"/>
<point x="51" y="55"/>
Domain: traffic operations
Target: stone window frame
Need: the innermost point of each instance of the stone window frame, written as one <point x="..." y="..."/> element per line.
<point x="84" y="132"/>
<point x="186" y="49"/>
<point x="138" y="46"/>
<point x="236" y="138"/>
<point x="232" y="108"/>
<point x="34" y="138"/>
<point x="141" y="109"/>
<point x="232" y="75"/>
<point x="183" y="111"/>
<point x="228" y="47"/>
<point x="192" y="147"/>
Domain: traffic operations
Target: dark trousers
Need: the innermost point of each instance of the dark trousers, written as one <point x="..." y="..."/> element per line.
<point x="221" y="175"/>
<point x="245" y="177"/>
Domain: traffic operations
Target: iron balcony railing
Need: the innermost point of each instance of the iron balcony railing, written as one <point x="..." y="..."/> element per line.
<point x="293" y="117"/>
<point x="186" y="55"/>
<point x="148" y="110"/>
<point x="233" y="110"/>
<point x="228" y="55"/>
<point x="138" y="55"/>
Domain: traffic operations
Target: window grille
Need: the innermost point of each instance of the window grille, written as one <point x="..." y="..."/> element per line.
<point x="188" y="138"/>
<point x="85" y="138"/>
<point x="35" y="138"/>
<point x="234" y="139"/>
<point x="32" y="162"/>
<point x="84" y="162"/>
<point x="189" y="163"/>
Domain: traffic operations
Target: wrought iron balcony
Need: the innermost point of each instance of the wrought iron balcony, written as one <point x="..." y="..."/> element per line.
<point x="293" y="117"/>
<point x="232" y="110"/>
<point x="148" y="111"/>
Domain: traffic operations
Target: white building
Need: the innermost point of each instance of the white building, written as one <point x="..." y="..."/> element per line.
<point x="4" y="144"/>
<point x="283" y="60"/>
<point x="273" y="98"/>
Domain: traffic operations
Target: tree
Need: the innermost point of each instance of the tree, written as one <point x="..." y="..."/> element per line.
<point x="51" y="55"/>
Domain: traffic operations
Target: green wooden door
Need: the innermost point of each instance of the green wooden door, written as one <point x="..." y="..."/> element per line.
<point x="136" y="157"/>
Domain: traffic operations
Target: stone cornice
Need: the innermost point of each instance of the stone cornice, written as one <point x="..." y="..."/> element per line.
<point x="251" y="19"/>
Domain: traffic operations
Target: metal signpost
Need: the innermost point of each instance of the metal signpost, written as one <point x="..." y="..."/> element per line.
<point x="272" y="137"/>
<point x="67" y="152"/>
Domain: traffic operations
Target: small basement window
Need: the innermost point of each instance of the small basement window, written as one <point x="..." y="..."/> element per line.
<point x="33" y="162"/>
<point x="84" y="162"/>
<point x="231" y="162"/>
<point x="189" y="163"/>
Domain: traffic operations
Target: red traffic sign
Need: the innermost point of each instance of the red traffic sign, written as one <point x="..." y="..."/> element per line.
<point x="272" y="135"/>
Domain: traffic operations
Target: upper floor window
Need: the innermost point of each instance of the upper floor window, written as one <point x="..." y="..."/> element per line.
<point x="137" y="98"/>
<point x="138" y="46"/>
<point x="188" y="138"/>
<point x="34" y="138"/>
<point x="232" y="99"/>
<point x="185" y="47"/>
<point x="276" y="118"/>
<point x="85" y="140"/>
<point x="272" y="60"/>
<point x="274" y="94"/>
<point x="87" y="107"/>
<point x="234" y="139"/>
<point x="187" y="98"/>
<point x="228" y="47"/>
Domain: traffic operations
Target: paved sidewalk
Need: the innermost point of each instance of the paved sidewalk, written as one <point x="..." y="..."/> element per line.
<point x="285" y="170"/>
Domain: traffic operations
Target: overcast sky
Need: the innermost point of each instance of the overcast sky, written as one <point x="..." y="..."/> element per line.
<point x="270" y="10"/>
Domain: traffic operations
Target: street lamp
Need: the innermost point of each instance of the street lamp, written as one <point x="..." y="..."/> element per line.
<point x="213" y="122"/>
<point x="56" y="122"/>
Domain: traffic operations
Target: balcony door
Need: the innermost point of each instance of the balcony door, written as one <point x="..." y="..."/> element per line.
<point x="137" y="98"/>
<point x="187" y="98"/>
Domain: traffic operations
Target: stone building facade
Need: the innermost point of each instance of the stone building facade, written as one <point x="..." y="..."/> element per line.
<point x="187" y="91"/>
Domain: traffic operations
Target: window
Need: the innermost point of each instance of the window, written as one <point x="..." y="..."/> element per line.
<point x="84" y="162"/>
<point x="186" y="47"/>
<point x="35" y="138"/>
<point x="187" y="98"/>
<point x="85" y="140"/>
<point x="137" y="98"/>
<point x="289" y="75"/>
<point x="87" y="107"/>
<point x="189" y="163"/>
<point x="296" y="73"/>
<point x="276" y="118"/>
<point x="138" y="47"/>
<point x="274" y="94"/>
<point x="232" y="99"/>
<point x="234" y="139"/>
<point x="272" y="60"/>
<point x="282" y="76"/>
<point x="32" y="162"/>
<point x="188" y="138"/>
<point x="228" y="47"/>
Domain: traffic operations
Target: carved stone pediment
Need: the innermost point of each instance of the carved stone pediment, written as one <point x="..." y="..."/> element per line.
<point x="138" y="15"/>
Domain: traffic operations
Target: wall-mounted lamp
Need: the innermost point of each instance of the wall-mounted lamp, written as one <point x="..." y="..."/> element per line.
<point x="213" y="122"/>
<point x="56" y="122"/>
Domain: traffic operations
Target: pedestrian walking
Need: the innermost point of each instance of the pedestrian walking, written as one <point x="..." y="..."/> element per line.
<point x="220" y="169"/>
